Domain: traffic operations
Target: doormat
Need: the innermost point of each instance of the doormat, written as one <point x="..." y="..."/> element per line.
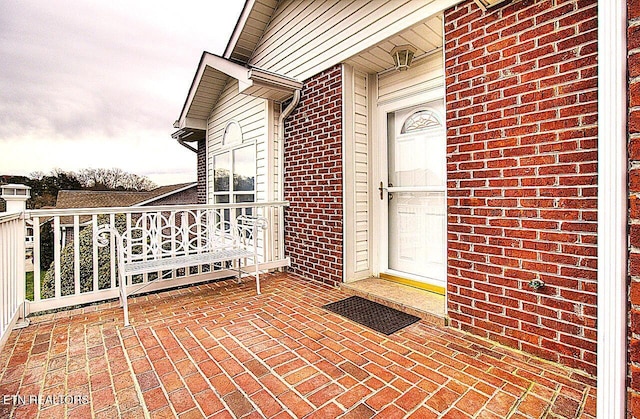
<point x="376" y="316"/>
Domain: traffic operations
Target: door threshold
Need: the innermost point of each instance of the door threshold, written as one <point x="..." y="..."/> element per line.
<point x="413" y="283"/>
<point x="427" y="305"/>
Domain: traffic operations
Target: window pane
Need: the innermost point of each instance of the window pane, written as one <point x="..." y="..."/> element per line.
<point x="221" y="169"/>
<point x="232" y="134"/>
<point x="416" y="158"/>
<point x="223" y="199"/>
<point x="239" y="198"/>
<point x="244" y="169"/>
<point x="420" y="120"/>
<point x="244" y="198"/>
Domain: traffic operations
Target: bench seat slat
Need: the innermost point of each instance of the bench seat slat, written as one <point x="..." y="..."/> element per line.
<point x="175" y="262"/>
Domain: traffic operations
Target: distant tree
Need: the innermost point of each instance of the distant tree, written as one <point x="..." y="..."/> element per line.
<point x="113" y="179"/>
<point x="45" y="188"/>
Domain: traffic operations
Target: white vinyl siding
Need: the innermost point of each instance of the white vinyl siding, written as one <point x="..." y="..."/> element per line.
<point x="250" y="113"/>
<point x="308" y="36"/>
<point x="356" y="165"/>
<point x="361" y="161"/>
<point x="426" y="74"/>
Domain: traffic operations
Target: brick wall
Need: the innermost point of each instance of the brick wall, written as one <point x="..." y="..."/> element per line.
<point x="633" y="63"/>
<point x="522" y="162"/>
<point x="202" y="171"/>
<point x="313" y="179"/>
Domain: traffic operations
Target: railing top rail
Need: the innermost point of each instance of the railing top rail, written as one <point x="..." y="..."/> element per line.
<point x="10" y="217"/>
<point x="119" y="210"/>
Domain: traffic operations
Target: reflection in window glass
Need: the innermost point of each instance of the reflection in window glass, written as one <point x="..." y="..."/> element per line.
<point x="221" y="168"/>
<point x="244" y="169"/>
<point x="234" y="175"/>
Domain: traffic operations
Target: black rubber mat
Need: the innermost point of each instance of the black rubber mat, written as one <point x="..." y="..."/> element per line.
<point x="373" y="315"/>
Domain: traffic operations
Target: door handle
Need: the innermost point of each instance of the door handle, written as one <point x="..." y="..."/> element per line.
<point x="382" y="188"/>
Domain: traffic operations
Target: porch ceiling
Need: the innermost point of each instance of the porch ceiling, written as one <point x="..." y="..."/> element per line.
<point x="426" y="37"/>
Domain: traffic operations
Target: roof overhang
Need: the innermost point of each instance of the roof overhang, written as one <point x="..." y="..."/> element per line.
<point x="255" y="16"/>
<point x="210" y="80"/>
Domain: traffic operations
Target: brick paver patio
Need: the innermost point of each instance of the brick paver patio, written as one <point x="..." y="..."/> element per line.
<point x="218" y="350"/>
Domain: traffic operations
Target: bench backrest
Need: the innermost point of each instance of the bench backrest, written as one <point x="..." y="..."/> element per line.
<point x="162" y="235"/>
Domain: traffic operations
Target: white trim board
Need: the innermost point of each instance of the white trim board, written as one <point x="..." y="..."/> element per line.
<point x="612" y="209"/>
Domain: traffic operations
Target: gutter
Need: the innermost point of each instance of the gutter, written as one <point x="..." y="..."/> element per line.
<point x="284" y="115"/>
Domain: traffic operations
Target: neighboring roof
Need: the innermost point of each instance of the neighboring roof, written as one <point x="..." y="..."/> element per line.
<point x="208" y="83"/>
<point x="98" y="199"/>
<point x="107" y="199"/>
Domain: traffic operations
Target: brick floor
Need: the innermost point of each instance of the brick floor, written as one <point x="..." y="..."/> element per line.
<point x="218" y="350"/>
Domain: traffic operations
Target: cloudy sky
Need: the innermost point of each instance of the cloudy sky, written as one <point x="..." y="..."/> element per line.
<point x="88" y="83"/>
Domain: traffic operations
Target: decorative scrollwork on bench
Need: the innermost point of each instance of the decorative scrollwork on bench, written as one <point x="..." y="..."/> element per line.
<point x="159" y="241"/>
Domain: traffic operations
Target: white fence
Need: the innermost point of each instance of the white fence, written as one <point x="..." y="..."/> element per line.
<point x="12" y="272"/>
<point x="81" y="272"/>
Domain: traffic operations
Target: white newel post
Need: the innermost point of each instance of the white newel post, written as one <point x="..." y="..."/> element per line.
<point x="16" y="197"/>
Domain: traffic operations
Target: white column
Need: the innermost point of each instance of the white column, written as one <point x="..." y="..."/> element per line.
<point x="612" y="208"/>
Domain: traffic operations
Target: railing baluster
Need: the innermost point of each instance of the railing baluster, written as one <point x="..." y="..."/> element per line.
<point x="76" y="254"/>
<point x="56" y="256"/>
<point x="158" y="238"/>
<point x="94" y="249"/>
<point x="112" y="250"/>
<point x="280" y="232"/>
<point x="128" y="228"/>
<point x="5" y="260"/>
<point x="36" y="259"/>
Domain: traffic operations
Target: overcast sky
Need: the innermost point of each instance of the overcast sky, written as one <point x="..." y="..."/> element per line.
<point x="87" y="83"/>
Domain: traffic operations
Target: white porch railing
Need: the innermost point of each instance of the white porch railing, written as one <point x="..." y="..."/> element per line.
<point x="82" y="272"/>
<point x="12" y="272"/>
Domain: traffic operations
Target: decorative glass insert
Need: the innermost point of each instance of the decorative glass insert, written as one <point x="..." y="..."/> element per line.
<point x="419" y="121"/>
<point x="232" y="134"/>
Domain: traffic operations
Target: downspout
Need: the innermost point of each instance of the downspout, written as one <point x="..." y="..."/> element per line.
<point x="283" y="115"/>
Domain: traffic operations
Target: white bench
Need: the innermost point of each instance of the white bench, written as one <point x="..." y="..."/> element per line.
<point x="158" y="243"/>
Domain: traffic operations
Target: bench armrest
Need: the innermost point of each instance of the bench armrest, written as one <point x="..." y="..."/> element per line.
<point x="100" y="234"/>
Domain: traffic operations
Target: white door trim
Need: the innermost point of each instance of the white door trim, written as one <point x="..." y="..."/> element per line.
<point x="381" y="228"/>
<point x="612" y="209"/>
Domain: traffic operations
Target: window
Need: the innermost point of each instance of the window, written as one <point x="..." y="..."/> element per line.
<point x="232" y="134"/>
<point x="420" y="120"/>
<point x="234" y="169"/>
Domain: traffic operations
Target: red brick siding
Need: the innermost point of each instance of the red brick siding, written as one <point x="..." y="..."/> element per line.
<point x="313" y="179"/>
<point x="202" y="172"/>
<point x="633" y="63"/>
<point x="522" y="162"/>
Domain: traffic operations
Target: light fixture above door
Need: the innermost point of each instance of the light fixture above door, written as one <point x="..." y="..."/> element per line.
<point x="402" y="56"/>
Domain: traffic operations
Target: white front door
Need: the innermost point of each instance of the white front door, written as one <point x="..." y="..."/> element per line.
<point x="414" y="193"/>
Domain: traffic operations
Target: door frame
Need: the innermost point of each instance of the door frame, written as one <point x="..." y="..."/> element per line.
<point x="380" y="248"/>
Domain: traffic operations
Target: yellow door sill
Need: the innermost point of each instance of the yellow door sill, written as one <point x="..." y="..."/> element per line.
<point x="413" y="283"/>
